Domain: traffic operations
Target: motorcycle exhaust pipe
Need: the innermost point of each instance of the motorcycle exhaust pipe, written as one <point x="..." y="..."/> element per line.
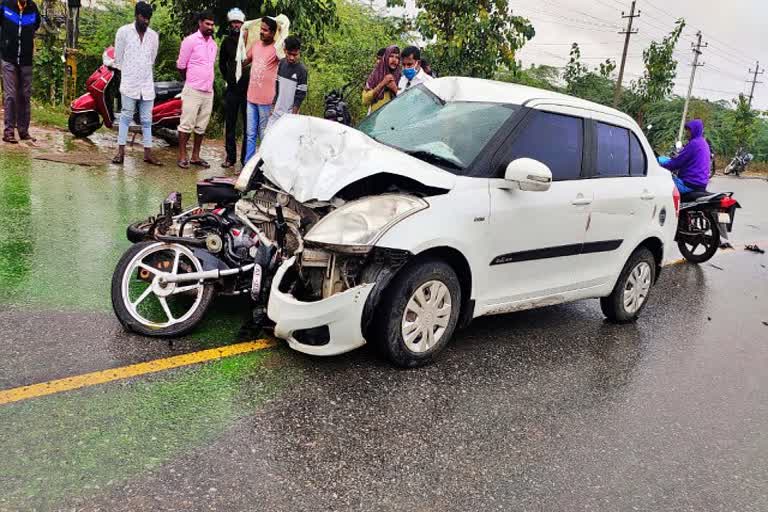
<point x="205" y="275"/>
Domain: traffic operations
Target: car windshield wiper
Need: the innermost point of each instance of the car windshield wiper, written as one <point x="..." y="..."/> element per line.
<point x="428" y="156"/>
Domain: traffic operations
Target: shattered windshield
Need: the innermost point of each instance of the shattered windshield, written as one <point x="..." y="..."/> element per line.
<point x="449" y="135"/>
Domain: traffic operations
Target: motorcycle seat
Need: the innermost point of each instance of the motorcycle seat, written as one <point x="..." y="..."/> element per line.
<point x="167" y="90"/>
<point x="699" y="196"/>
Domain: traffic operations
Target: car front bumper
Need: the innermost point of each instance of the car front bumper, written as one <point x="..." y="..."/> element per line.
<point x="340" y="314"/>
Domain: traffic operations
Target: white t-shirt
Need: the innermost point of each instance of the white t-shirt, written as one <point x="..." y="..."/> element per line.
<point x="405" y="84"/>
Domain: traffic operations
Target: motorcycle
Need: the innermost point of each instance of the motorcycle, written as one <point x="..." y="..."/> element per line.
<point x="230" y="243"/>
<point x="738" y="163"/>
<point x="704" y="219"/>
<point x="96" y="106"/>
<point x="337" y="106"/>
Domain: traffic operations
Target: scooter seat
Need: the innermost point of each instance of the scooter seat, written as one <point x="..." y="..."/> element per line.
<point x="167" y="90"/>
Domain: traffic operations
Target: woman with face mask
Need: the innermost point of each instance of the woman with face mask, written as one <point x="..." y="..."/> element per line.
<point x="381" y="86"/>
<point x="413" y="74"/>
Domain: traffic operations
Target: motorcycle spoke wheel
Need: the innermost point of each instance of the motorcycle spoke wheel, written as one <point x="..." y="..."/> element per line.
<point x="153" y="303"/>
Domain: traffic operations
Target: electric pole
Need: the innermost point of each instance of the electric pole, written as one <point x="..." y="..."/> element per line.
<point x="754" y="81"/>
<point x="696" y="52"/>
<point x="628" y="32"/>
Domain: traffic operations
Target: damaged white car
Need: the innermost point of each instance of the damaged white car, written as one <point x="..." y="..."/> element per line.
<point x="461" y="198"/>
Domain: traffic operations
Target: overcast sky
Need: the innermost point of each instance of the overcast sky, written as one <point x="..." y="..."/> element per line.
<point x="737" y="33"/>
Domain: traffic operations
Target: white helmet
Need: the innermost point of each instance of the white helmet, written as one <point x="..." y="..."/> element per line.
<point x="236" y="15"/>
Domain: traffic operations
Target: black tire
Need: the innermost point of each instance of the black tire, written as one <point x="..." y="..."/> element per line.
<point x="387" y="328"/>
<point x="613" y="306"/>
<point x="137" y="232"/>
<point x="132" y="324"/>
<point x="83" y="124"/>
<point x="711" y="245"/>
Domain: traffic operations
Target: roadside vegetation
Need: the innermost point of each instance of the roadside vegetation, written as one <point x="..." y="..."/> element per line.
<point x="465" y="37"/>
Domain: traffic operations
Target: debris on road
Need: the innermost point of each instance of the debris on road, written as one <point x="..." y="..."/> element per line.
<point x="70" y="158"/>
<point x="715" y="266"/>
<point x="754" y="248"/>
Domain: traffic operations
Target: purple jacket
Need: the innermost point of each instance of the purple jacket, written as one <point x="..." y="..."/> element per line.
<point x="692" y="164"/>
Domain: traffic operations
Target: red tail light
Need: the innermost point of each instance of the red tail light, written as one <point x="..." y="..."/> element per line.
<point x="727" y="202"/>
<point x="676" y="200"/>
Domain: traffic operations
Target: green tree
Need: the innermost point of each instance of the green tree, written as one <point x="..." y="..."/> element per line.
<point x="593" y="85"/>
<point x="309" y="18"/>
<point x="660" y="71"/>
<point x="542" y="76"/>
<point x="740" y="124"/>
<point x="470" y="38"/>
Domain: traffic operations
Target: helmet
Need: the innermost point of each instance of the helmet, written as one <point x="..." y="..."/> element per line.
<point x="236" y="15"/>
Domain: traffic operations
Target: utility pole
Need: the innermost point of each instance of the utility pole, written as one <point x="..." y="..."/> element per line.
<point x="696" y="52"/>
<point x="754" y="81"/>
<point x="628" y="32"/>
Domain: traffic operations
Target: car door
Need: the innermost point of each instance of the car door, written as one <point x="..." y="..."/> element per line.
<point x="624" y="203"/>
<point x="536" y="237"/>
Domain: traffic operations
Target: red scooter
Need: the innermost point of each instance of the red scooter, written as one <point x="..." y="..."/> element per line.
<point x="89" y="111"/>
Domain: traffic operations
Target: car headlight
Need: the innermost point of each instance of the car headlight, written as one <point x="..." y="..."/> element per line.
<point x="362" y="222"/>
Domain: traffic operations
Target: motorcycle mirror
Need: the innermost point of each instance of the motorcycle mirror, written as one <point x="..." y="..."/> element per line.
<point x="678" y="145"/>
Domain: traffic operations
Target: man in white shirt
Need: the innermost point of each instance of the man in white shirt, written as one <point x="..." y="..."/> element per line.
<point x="135" y="51"/>
<point x="412" y="75"/>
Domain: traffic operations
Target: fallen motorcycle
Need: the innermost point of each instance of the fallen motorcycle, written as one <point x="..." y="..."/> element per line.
<point x="738" y="163"/>
<point x="230" y="243"/>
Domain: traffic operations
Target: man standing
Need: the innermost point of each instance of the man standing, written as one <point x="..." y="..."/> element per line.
<point x="413" y="74"/>
<point x="291" y="85"/>
<point x="135" y="51"/>
<point x="234" y="96"/>
<point x="197" y="58"/>
<point x="19" y="20"/>
<point x="261" y="88"/>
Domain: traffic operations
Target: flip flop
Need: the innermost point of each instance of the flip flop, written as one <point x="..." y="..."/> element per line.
<point x="227" y="165"/>
<point x="118" y="160"/>
<point x="154" y="161"/>
<point x="10" y="140"/>
<point x="201" y="163"/>
<point x="184" y="164"/>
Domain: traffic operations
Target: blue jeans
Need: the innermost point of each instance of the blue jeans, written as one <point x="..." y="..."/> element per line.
<point x="681" y="186"/>
<point x="258" y="116"/>
<point x="126" y="116"/>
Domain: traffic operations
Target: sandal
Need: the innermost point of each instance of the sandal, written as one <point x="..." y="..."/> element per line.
<point x="10" y="140"/>
<point x="184" y="164"/>
<point x="226" y="165"/>
<point x="118" y="159"/>
<point x="201" y="163"/>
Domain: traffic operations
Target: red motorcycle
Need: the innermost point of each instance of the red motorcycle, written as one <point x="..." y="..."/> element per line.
<point x="96" y="107"/>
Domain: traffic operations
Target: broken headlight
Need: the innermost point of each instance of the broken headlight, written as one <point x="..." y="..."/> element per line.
<point x="363" y="222"/>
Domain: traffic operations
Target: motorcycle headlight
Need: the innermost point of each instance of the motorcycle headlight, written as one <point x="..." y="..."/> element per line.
<point x="363" y="222"/>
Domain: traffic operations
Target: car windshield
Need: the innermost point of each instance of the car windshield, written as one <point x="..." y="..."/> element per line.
<point x="449" y="135"/>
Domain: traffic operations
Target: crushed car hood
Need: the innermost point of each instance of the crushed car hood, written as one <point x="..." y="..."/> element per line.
<point x="313" y="159"/>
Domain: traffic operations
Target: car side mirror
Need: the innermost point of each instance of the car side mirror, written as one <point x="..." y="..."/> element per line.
<point x="530" y="175"/>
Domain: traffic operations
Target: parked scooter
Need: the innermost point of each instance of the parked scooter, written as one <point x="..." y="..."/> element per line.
<point x="96" y="107"/>
<point x="738" y="163"/>
<point x="704" y="218"/>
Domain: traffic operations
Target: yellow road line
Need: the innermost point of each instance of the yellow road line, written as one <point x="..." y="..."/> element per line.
<point x="90" y="379"/>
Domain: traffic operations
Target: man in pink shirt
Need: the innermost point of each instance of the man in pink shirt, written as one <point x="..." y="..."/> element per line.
<point x="261" y="88"/>
<point x="197" y="58"/>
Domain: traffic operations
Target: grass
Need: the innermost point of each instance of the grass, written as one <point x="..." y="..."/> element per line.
<point x="54" y="116"/>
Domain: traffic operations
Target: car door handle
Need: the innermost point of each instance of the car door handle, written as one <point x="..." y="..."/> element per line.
<point x="647" y="196"/>
<point x="581" y="200"/>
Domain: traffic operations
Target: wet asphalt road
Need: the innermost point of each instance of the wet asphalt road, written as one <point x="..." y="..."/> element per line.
<point x="543" y="410"/>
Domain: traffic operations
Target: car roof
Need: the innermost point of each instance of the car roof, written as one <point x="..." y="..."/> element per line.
<point x="455" y="88"/>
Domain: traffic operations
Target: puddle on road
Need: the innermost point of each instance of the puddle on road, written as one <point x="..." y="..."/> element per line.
<point x="62" y="227"/>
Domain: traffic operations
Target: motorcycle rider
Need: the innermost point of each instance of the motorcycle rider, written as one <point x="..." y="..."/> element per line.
<point x="693" y="162"/>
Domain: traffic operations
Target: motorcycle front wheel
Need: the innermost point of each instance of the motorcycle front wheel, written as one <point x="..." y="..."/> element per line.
<point x="146" y="305"/>
<point x="83" y="124"/>
<point x="703" y="245"/>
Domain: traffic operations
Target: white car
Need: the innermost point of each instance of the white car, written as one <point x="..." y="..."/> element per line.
<point x="462" y="198"/>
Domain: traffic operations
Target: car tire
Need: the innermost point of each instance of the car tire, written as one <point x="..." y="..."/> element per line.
<point x="432" y="284"/>
<point x="630" y="295"/>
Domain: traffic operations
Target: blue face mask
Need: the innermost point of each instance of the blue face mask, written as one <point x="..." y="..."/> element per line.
<point x="409" y="73"/>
